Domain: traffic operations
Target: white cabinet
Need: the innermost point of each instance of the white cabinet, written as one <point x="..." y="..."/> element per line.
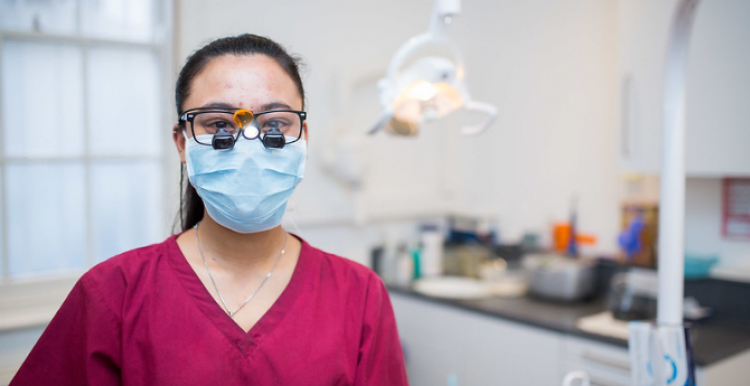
<point x="642" y="37"/>
<point x="718" y="90"/>
<point x="609" y="365"/>
<point x="605" y="364"/>
<point x="441" y="342"/>
<point x="718" y="99"/>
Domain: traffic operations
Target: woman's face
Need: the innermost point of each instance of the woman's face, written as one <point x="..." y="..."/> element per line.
<point x="253" y="82"/>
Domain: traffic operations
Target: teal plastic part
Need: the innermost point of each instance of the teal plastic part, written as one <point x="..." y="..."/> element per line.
<point x="698" y="267"/>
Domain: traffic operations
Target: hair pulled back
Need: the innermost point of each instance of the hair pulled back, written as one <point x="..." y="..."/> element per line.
<point x="191" y="205"/>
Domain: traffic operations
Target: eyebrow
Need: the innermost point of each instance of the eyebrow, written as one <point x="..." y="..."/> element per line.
<point x="275" y="106"/>
<point x="218" y="105"/>
<point x="265" y="107"/>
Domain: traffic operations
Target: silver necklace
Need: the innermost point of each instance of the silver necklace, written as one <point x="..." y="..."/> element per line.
<point x="265" y="279"/>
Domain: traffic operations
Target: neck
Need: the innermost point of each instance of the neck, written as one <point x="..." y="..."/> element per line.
<point x="237" y="250"/>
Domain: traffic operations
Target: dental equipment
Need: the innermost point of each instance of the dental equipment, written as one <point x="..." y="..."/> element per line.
<point x="661" y="352"/>
<point x="430" y="87"/>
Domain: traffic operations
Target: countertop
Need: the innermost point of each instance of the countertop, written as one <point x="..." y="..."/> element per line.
<point x="713" y="340"/>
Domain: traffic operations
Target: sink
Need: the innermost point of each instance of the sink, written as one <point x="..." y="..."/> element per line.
<point x="456" y="287"/>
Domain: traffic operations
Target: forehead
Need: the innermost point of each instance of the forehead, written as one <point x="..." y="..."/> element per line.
<point x="247" y="81"/>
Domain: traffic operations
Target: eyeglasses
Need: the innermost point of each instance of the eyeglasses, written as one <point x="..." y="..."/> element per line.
<point x="222" y="128"/>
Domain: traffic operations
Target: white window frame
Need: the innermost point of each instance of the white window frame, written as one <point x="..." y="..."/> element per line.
<point x="32" y="302"/>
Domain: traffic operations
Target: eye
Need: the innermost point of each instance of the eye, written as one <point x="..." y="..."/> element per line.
<point x="222" y="124"/>
<point x="286" y="122"/>
<point x="209" y="123"/>
<point x="279" y="124"/>
<point x="273" y="124"/>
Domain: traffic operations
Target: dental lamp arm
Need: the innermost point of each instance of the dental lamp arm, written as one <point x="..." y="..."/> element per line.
<point x="442" y="12"/>
<point x="482" y="107"/>
<point x="413" y="45"/>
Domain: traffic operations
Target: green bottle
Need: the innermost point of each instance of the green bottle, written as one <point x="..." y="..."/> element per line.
<point x="415" y="254"/>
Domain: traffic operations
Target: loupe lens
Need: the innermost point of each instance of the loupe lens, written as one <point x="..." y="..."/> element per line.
<point x="274" y="139"/>
<point x="222" y="140"/>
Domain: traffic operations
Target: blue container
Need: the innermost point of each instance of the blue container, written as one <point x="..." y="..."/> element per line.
<point x="698" y="267"/>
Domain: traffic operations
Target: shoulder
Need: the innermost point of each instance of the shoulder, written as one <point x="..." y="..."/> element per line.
<point x="114" y="277"/>
<point x="334" y="277"/>
<point x="338" y="267"/>
<point x="129" y="264"/>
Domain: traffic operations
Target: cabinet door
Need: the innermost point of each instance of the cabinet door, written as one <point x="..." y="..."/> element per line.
<point x="607" y="365"/>
<point x="718" y="96"/>
<point x="441" y="342"/>
<point x="643" y="31"/>
<point x="718" y="86"/>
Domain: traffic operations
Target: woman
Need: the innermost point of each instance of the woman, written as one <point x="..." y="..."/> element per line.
<point x="234" y="299"/>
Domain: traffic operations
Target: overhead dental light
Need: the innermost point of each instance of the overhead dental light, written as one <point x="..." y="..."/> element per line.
<point x="422" y="85"/>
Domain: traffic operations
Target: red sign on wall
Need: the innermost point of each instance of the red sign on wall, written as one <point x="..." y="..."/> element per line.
<point x="736" y="207"/>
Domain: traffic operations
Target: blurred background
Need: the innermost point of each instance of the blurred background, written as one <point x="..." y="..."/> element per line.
<point x="570" y="166"/>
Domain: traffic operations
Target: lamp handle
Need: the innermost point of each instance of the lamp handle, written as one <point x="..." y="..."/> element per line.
<point x="482" y="107"/>
<point x="382" y="121"/>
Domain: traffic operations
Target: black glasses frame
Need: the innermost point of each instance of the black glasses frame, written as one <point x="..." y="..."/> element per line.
<point x="189" y="116"/>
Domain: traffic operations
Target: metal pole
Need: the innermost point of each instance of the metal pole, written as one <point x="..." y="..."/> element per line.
<point x="672" y="200"/>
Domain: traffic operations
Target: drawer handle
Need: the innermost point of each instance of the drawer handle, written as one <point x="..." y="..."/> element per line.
<point x="625" y="115"/>
<point x="603" y="360"/>
<point x="595" y="381"/>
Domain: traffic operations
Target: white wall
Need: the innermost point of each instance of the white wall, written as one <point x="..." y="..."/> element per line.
<point x="15" y="346"/>
<point x="703" y="217"/>
<point x="548" y="66"/>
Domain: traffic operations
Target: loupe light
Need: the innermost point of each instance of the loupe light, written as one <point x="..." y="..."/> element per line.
<point x="243" y="117"/>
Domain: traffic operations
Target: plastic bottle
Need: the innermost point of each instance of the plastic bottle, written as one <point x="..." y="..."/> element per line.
<point x="404" y="265"/>
<point x="431" y="258"/>
<point x="389" y="260"/>
<point x="416" y="256"/>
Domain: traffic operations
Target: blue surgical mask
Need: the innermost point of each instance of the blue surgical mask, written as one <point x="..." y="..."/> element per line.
<point x="246" y="189"/>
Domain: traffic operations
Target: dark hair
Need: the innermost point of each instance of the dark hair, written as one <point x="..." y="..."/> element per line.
<point x="191" y="205"/>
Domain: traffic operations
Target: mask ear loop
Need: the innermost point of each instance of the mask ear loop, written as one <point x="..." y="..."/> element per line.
<point x="182" y="183"/>
<point x="182" y="186"/>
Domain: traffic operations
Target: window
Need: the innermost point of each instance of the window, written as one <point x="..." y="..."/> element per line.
<point x="84" y="115"/>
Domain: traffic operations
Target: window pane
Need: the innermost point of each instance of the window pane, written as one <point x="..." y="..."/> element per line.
<point x="2" y="248"/>
<point x="42" y="99"/>
<point x="57" y="16"/>
<point x="126" y="206"/>
<point x="123" y="87"/>
<point x="47" y="211"/>
<point x="121" y="19"/>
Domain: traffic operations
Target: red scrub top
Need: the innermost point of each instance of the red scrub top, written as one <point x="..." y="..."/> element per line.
<point x="145" y="318"/>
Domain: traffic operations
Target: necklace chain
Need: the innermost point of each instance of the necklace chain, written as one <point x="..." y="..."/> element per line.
<point x="265" y="279"/>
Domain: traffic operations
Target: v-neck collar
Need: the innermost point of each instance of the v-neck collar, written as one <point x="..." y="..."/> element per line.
<point x="246" y="342"/>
